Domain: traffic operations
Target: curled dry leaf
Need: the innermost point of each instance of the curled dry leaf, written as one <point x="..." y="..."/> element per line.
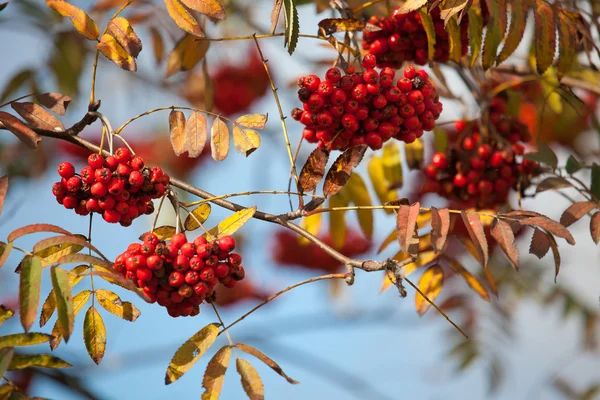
<point x="503" y="233"/>
<point x="477" y="234"/>
<point x="195" y="134"/>
<point x="406" y="224"/>
<point x="245" y="141"/>
<point x="264" y="358"/>
<point x="342" y="168"/>
<point x="55" y="102"/>
<point x="539" y="244"/>
<point x="82" y="22"/>
<point x="275" y="13"/>
<point x="219" y="140"/>
<point x="177" y="129"/>
<point x="20" y="130"/>
<point x="37" y="117"/>
<point x="212" y="8"/>
<point x="251" y="381"/>
<point x="124" y="34"/>
<point x="183" y="17"/>
<point x="113" y="50"/>
<point x="215" y="373"/>
<point x="94" y="334"/>
<point x="552" y="183"/>
<point x="576" y="211"/>
<point x="595" y="227"/>
<point x="440" y="226"/>
<point x="186" y="54"/>
<point x="313" y="170"/>
<point x="3" y="192"/>
<point x="550" y="226"/>
<point x="430" y="283"/>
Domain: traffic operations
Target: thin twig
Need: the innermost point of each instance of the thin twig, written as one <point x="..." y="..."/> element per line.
<point x="226" y="196"/>
<point x="17" y="99"/>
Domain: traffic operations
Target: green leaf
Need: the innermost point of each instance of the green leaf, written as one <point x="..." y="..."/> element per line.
<point x="455" y="41"/>
<point x="430" y="32"/>
<point x="545" y="36"/>
<point x="23" y="361"/>
<point x="5" y="313"/>
<point x="6" y="356"/>
<point x="595" y="182"/>
<point x="75" y="276"/>
<point x="29" y="290"/>
<point x="64" y="301"/>
<point x="23" y="339"/>
<point x="292" y="25"/>
<point x="190" y="352"/>
<point x="440" y="139"/>
<point x="15" y="82"/>
<point x="544" y="155"/>
<point x="94" y="334"/>
<point x="518" y="20"/>
<point x="495" y="31"/>
<point x="197" y="217"/>
<point x="573" y="165"/>
<point x="475" y="33"/>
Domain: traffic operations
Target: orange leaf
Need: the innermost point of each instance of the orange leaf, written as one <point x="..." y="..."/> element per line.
<point x="195" y="134"/>
<point x="20" y="130"/>
<point x="158" y="45"/>
<point x="37" y="116"/>
<point x="177" y="129"/>
<point x="82" y="22"/>
<point x="472" y="281"/>
<point x="551" y="226"/>
<point x="3" y="191"/>
<point x="313" y="170"/>
<point x="212" y="8"/>
<point x="183" y="18"/>
<point x="539" y="244"/>
<point x="122" y="31"/>
<point x="576" y="211"/>
<point x="475" y="229"/>
<point x="187" y="53"/>
<point x="430" y="283"/>
<point x="545" y="36"/>
<point x="406" y="223"/>
<point x="595" y="227"/>
<point x="440" y="226"/>
<point x="112" y="50"/>
<point x="219" y="140"/>
<point x="503" y="233"/>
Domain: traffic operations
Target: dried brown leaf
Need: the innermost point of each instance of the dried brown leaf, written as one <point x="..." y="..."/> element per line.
<point x="313" y="170"/>
<point x="595" y="227"/>
<point x="275" y="13"/>
<point x="440" y="226"/>
<point x="406" y="224"/>
<point x="219" y="139"/>
<point x="550" y="226"/>
<point x="503" y="234"/>
<point x="37" y="116"/>
<point x="3" y="192"/>
<point x="332" y="25"/>
<point x="195" y="134"/>
<point x="55" y="102"/>
<point x="539" y="244"/>
<point x="552" y="183"/>
<point x="475" y="228"/>
<point x="342" y="168"/>
<point x="158" y="45"/>
<point x="576" y="211"/>
<point x="177" y="129"/>
<point x="212" y="8"/>
<point x="20" y="130"/>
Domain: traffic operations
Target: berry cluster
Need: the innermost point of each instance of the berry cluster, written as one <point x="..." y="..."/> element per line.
<point x="402" y="38"/>
<point x="180" y="275"/>
<point x="366" y="108"/>
<point x="478" y="169"/>
<point x="119" y="187"/>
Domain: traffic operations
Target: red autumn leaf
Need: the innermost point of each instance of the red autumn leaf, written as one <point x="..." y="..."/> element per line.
<point x="440" y="226"/>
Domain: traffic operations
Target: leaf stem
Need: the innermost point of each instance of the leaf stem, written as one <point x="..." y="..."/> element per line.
<point x="17" y="99"/>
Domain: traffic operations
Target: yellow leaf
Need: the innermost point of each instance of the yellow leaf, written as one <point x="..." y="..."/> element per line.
<point x="29" y="290"/>
<point x="252" y="121"/>
<point x="158" y="45"/>
<point x="430" y="284"/>
<point x="23" y="339"/>
<point x="114" y="305"/>
<point x="265" y="359"/>
<point x="162" y="232"/>
<point x="116" y="53"/>
<point x="215" y="374"/>
<point x="64" y="301"/>
<point x="6" y="356"/>
<point x="124" y="34"/>
<point x="187" y="53"/>
<point x="429" y="32"/>
<point x="94" y="334"/>
<point x="82" y="22"/>
<point x="5" y="313"/>
<point x="195" y="134"/>
<point x="212" y="8"/>
<point x="79" y="300"/>
<point x="357" y="193"/>
<point x="311" y="224"/>
<point x="392" y="166"/>
<point x="234" y="222"/>
<point x="188" y="354"/>
<point x="183" y="18"/>
<point x="455" y="39"/>
<point x="337" y="220"/>
<point x="423" y="258"/>
<point x="246" y="141"/>
<point x="22" y="361"/>
<point x="251" y="381"/>
<point x="50" y="304"/>
<point x="414" y="154"/>
<point x="197" y="217"/>
<point x="472" y="281"/>
<point x="549" y="83"/>
<point x="219" y="140"/>
<point x="380" y="184"/>
<point x="177" y="129"/>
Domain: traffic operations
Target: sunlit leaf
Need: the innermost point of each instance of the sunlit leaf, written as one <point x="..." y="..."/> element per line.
<point x="313" y="170"/>
<point x="177" y="129"/>
<point x="219" y="140"/>
<point x="190" y="352"/>
<point x="215" y="374"/>
<point x="430" y="283"/>
<point x="22" y="361"/>
<point x="79" y="300"/>
<point x="440" y="226"/>
<point x="471" y="280"/>
<point x="392" y="166"/>
<point x="211" y="8"/>
<point x="197" y="217"/>
<point x="23" y="339"/>
<point x="380" y="184"/>
<point x="275" y="13"/>
<point x="122" y="31"/>
<point x="94" y="334"/>
<point x="311" y="224"/>
<point x="64" y="301"/>
<point x="245" y="141"/>
<point x="113" y="304"/>
<point x="265" y="359"/>
<point x="595" y="227"/>
<point x="183" y="17"/>
<point x="195" y="134"/>
<point x="37" y="117"/>
<point x="5" y="313"/>
<point x="20" y="130"/>
<point x="357" y="193"/>
<point x="162" y="232"/>
<point x="411" y="5"/>
<point x="82" y="22"/>
<point x="252" y="121"/>
<point x="186" y="54"/>
<point x="50" y="304"/>
<point x="549" y="225"/>
<point x="406" y="224"/>
<point x="113" y="50"/>
<point x="423" y="258"/>
<point x="235" y="221"/>
<point x="251" y="381"/>
<point x="63" y="240"/>
<point x="3" y="193"/>
<point x="29" y="290"/>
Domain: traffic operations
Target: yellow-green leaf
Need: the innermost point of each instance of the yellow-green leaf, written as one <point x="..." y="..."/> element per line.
<point x="518" y="20"/>
<point x="190" y="352"/>
<point x="22" y="361"/>
<point x="112" y="50"/>
<point x="75" y="276"/>
<point x="311" y="224"/>
<point x="246" y="141"/>
<point x="475" y="33"/>
<point x="430" y="283"/>
<point x="550" y="84"/>
<point x="251" y="381"/>
<point x="122" y="31"/>
<point x="82" y="22"/>
<point x="53" y="254"/>
<point x="454" y="37"/>
<point x="380" y="184"/>
<point x="430" y="32"/>
<point x="392" y="166"/>
<point x="187" y="53"/>
<point x="496" y="29"/>
<point x="234" y="222"/>
<point x="6" y="356"/>
<point x="219" y="140"/>
<point x="212" y="8"/>
<point x="253" y="121"/>
<point x="183" y="17"/>
<point x="357" y="193"/>
<point x="29" y="290"/>
<point x="23" y="339"/>
<point x="337" y="220"/>
<point x="5" y="248"/>
<point x="215" y="374"/>
<point x="79" y="300"/>
<point x="265" y="359"/>
<point x="567" y="37"/>
<point x="545" y="36"/>
<point x="64" y="301"/>
<point x="113" y="304"/>
<point x="449" y="8"/>
<point x="197" y="217"/>
<point x="5" y="313"/>
<point x="414" y="154"/>
<point x="162" y="232"/>
<point x="94" y="334"/>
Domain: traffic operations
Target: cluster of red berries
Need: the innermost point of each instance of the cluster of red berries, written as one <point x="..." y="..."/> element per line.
<point x="119" y="187"/>
<point x="180" y="275"/>
<point x="366" y="108"/>
<point x="480" y="170"/>
<point x="402" y="38"/>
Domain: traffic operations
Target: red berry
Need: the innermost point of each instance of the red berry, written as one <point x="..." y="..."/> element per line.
<point x="405" y="85"/>
<point x="192" y="277"/>
<point x="486" y="187"/>
<point x="66" y="170"/>
<point x="222" y="270"/>
<point x="70" y="201"/>
<point x="439" y="160"/>
<point x="484" y="151"/>
<point x="154" y="262"/>
<point x="176" y="279"/>
<point x="188" y="249"/>
<point x="95" y="160"/>
<point x="143" y="274"/>
<point x="107" y="202"/>
<point x="73" y="184"/>
<point x="123" y="155"/>
<point x="460" y="180"/>
<point x="111" y="163"/>
<point x="178" y="240"/>
<point x="369" y="61"/>
<point x="59" y="190"/>
<point x="181" y="263"/>
<point x="410" y="72"/>
<point x="311" y="82"/>
<point x="333" y="75"/>
<point x="111" y="216"/>
<point x="137" y="163"/>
